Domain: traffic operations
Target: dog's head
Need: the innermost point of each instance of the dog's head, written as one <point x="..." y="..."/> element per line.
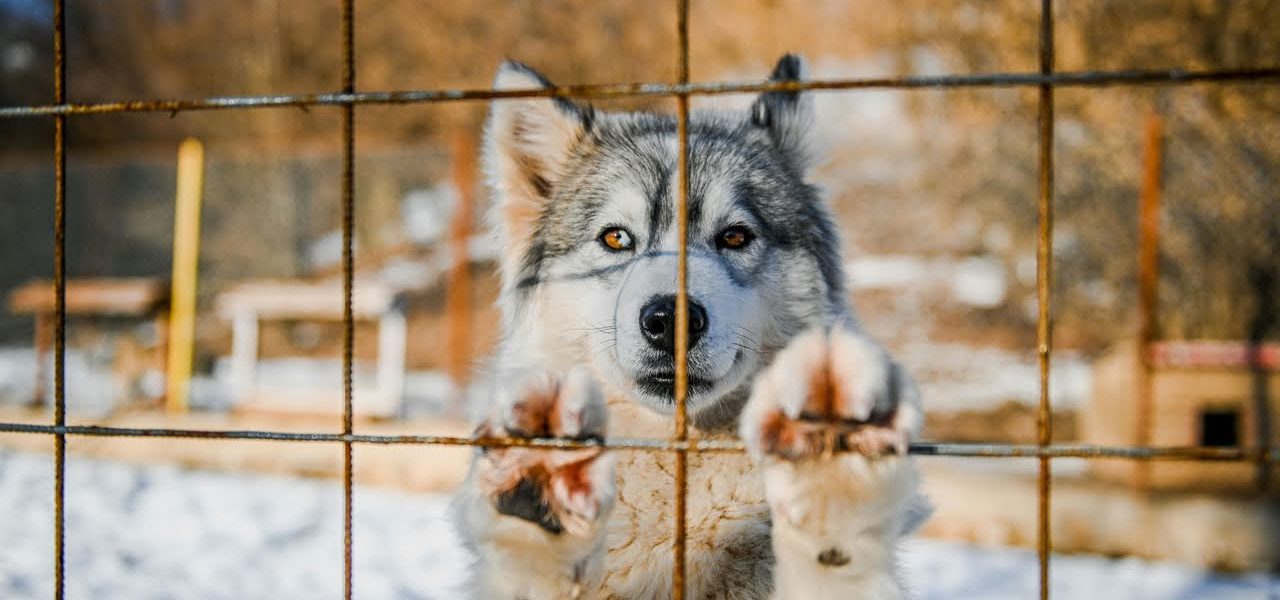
<point x="585" y="211"/>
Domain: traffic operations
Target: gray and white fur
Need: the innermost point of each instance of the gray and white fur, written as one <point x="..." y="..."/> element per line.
<point x="585" y="212"/>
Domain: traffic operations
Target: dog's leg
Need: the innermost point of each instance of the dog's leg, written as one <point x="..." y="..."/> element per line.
<point x="535" y="517"/>
<point x="829" y="422"/>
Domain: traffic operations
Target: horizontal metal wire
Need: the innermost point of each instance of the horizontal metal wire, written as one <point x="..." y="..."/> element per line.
<point x="661" y="445"/>
<point x="631" y="90"/>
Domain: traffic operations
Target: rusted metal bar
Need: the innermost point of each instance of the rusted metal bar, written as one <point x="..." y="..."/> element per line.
<point x="1178" y="453"/>
<point x="1148" y="284"/>
<point x="1044" y="321"/>
<point x="681" y="384"/>
<point x="1267" y="75"/>
<point x="348" y="283"/>
<point x="1094" y="451"/>
<point x="60" y="298"/>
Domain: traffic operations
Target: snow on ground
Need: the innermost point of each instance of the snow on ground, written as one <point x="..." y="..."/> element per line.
<point x="90" y="387"/>
<point x="143" y="533"/>
<point x="952" y="571"/>
<point x="955" y="377"/>
<point x="978" y="282"/>
<point x="149" y="532"/>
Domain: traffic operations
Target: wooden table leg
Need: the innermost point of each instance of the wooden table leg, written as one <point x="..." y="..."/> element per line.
<point x="43" y="342"/>
<point x="160" y="355"/>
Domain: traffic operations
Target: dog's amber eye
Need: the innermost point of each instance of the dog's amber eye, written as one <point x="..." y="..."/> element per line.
<point x="734" y="238"/>
<point x="617" y="238"/>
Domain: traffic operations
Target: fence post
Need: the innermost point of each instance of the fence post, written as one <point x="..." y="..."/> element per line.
<point x="186" y="259"/>
<point x="1148" y="284"/>
<point x="458" y="284"/>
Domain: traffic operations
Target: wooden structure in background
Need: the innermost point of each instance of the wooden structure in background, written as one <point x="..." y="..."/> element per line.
<point x="1201" y="394"/>
<point x="139" y="298"/>
<point x="247" y="304"/>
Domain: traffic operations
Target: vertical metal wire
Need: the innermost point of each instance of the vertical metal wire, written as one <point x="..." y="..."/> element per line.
<point x="681" y="391"/>
<point x="1044" y="262"/>
<point x="348" y="280"/>
<point x="60" y="296"/>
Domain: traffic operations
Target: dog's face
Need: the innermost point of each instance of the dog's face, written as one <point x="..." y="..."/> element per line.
<point x="586" y="211"/>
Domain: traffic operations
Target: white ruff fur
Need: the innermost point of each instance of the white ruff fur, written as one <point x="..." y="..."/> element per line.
<point x="725" y="510"/>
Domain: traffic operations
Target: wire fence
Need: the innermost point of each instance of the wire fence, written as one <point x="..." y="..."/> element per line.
<point x="1046" y="80"/>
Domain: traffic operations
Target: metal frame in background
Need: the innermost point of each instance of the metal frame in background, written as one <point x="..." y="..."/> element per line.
<point x="1046" y="80"/>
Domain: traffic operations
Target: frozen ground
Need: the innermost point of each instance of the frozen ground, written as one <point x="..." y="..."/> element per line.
<point x="959" y="377"/>
<point x="140" y="533"/>
<point x="91" y="390"/>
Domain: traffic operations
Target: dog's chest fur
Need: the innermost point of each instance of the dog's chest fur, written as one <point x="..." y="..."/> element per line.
<point x="728" y="545"/>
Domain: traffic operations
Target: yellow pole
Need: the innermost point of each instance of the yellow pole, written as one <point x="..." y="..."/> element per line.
<point x="186" y="258"/>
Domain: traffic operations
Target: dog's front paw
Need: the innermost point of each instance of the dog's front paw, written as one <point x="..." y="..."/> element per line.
<point x="829" y="421"/>
<point x="561" y="491"/>
<point x="828" y="392"/>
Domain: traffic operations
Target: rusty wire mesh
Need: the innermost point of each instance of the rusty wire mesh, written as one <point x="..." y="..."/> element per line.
<point x="347" y="98"/>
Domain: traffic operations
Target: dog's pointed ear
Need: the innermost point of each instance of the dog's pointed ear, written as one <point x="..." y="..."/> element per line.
<point x="527" y="144"/>
<point x="787" y="116"/>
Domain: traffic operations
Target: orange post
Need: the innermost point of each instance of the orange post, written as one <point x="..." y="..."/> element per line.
<point x="458" y="298"/>
<point x="1148" y="283"/>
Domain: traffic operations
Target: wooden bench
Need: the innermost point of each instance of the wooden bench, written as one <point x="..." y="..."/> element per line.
<point x="140" y="298"/>
<point x="248" y="304"/>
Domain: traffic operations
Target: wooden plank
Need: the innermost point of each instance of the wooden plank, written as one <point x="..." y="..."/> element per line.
<point x="1209" y="354"/>
<point x="304" y="300"/>
<point x="139" y="296"/>
<point x="370" y="401"/>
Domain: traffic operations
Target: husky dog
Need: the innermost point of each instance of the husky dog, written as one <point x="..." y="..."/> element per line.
<point x="585" y="211"/>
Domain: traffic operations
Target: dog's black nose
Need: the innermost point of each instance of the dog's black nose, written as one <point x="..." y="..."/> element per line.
<point x="658" y="322"/>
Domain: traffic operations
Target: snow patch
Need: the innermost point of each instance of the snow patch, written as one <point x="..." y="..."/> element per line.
<point x="162" y="532"/>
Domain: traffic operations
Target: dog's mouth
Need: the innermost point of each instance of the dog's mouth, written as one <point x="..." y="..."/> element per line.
<point x="658" y="381"/>
<point x="663" y="385"/>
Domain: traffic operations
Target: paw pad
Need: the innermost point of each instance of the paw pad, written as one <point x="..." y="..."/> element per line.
<point x="833" y="557"/>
